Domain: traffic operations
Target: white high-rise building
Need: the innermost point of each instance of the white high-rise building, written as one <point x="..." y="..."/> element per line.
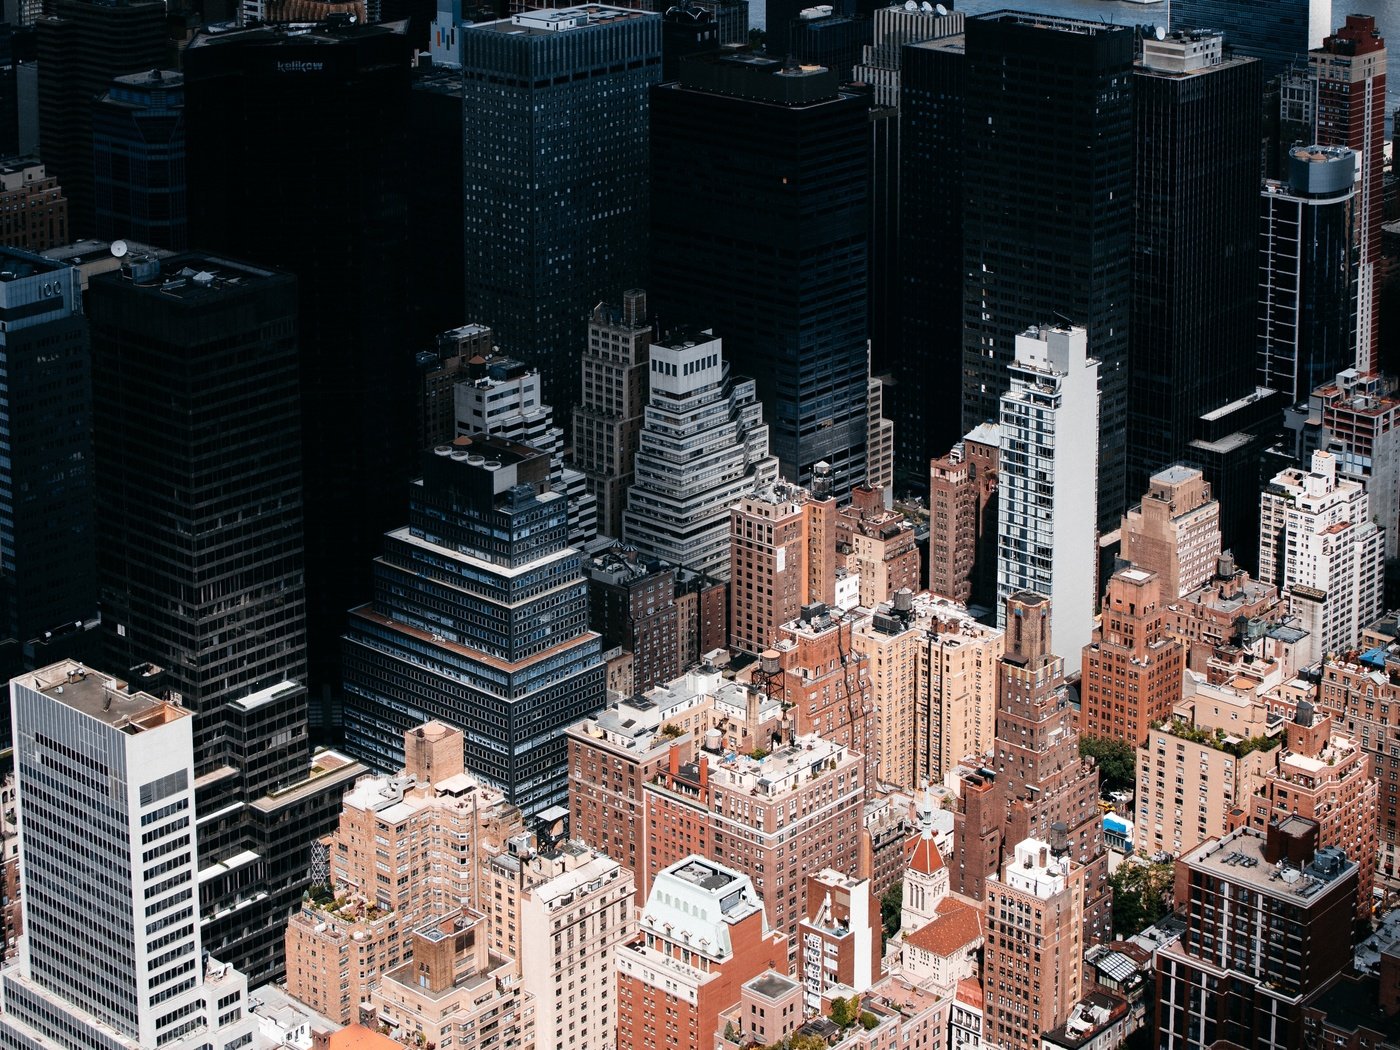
<point x="110" y="957"/>
<point x="703" y="445"/>
<point x="572" y="926"/>
<point x="1047" y="503"/>
<point x="1319" y="545"/>
<point x="504" y="398"/>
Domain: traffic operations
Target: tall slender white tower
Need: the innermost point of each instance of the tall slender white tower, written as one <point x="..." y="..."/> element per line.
<point x="1047" y="506"/>
<point x="110" y="957"/>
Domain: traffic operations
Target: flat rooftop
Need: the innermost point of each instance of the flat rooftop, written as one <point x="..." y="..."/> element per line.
<point x="704" y="874"/>
<point x="189" y="277"/>
<point x="560" y="20"/>
<point x="16" y="264"/>
<point x="102" y="697"/>
<point x="771" y="985"/>
<point x="1057" y="23"/>
<point x="1239" y="857"/>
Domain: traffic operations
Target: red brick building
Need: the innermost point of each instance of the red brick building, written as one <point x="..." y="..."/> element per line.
<point x="703" y="935"/>
<point x="1132" y="669"/>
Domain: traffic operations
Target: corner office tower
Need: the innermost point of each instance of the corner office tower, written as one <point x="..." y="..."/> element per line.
<point x="111" y="956"/>
<point x="479" y="620"/>
<point x="760" y="174"/>
<point x="200" y="567"/>
<point x="555" y="169"/>
<point x="1056" y="245"/>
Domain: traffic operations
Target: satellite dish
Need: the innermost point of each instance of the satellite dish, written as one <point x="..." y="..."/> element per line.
<point x="1161" y="32"/>
<point x="910" y="5"/>
<point x="940" y="10"/>
<point x="118" y="249"/>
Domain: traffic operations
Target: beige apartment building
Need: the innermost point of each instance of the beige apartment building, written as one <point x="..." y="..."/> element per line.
<point x="933" y="676"/>
<point x="409" y="848"/>
<point x="1174" y="531"/>
<point x="562" y="912"/>
<point x="1198" y="771"/>
<point x="454" y="992"/>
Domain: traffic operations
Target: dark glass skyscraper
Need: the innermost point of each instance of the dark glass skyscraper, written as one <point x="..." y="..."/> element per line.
<point x="555" y="151"/>
<point x="48" y="577"/>
<point x="196" y="411"/>
<point x="1195" y="243"/>
<point x="480" y="620"/>
<point x="760" y="227"/>
<point x="1308" y="255"/>
<point x="1048" y="208"/>
<point x="82" y="45"/>
<point x="928" y="369"/>
<point x="1277" y="32"/>
<point x="138" y="145"/>
<point x="299" y="136"/>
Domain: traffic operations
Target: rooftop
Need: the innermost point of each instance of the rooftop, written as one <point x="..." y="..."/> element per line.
<point x="559" y="20"/>
<point x="956" y="926"/>
<point x="1086" y="1021"/>
<point x="771" y="985"/>
<point x="16" y="264"/>
<point x="188" y="276"/>
<point x="1239" y="857"/>
<point x="1055" y="23"/>
<point x="102" y="698"/>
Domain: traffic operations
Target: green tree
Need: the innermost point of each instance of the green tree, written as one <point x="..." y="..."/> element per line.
<point x="844" y="1012"/>
<point x="891" y="905"/>
<point x="1117" y="762"/>
<point x="1141" y="896"/>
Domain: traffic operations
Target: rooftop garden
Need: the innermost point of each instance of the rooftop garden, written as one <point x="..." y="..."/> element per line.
<point x="1218" y="738"/>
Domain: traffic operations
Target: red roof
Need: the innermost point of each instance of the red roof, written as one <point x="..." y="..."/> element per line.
<point x="955" y="926"/>
<point x="921" y="855"/>
<point x="970" y="992"/>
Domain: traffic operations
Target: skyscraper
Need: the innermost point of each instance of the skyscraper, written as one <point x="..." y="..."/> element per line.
<point x="608" y="419"/>
<point x="479" y="620"/>
<point x="1036" y="899"/>
<point x="1350" y="73"/>
<point x="927" y="396"/>
<point x="138" y="141"/>
<point x="1061" y="88"/>
<point x="200" y="565"/>
<point x="1050" y="792"/>
<point x="48" y="574"/>
<point x="703" y="444"/>
<point x="1195" y="242"/>
<point x="1048" y="466"/>
<point x="105" y="781"/>
<point x="500" y="396"/>
<point x="81" y="46"/>
<point x="555" y="143"/>
<point x="178" y="344"/>
<point x="329" y="102"/>
<point x="1277" y="32"/>
<point x="1307" y="271"/>
<point x="760" y="186"/>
